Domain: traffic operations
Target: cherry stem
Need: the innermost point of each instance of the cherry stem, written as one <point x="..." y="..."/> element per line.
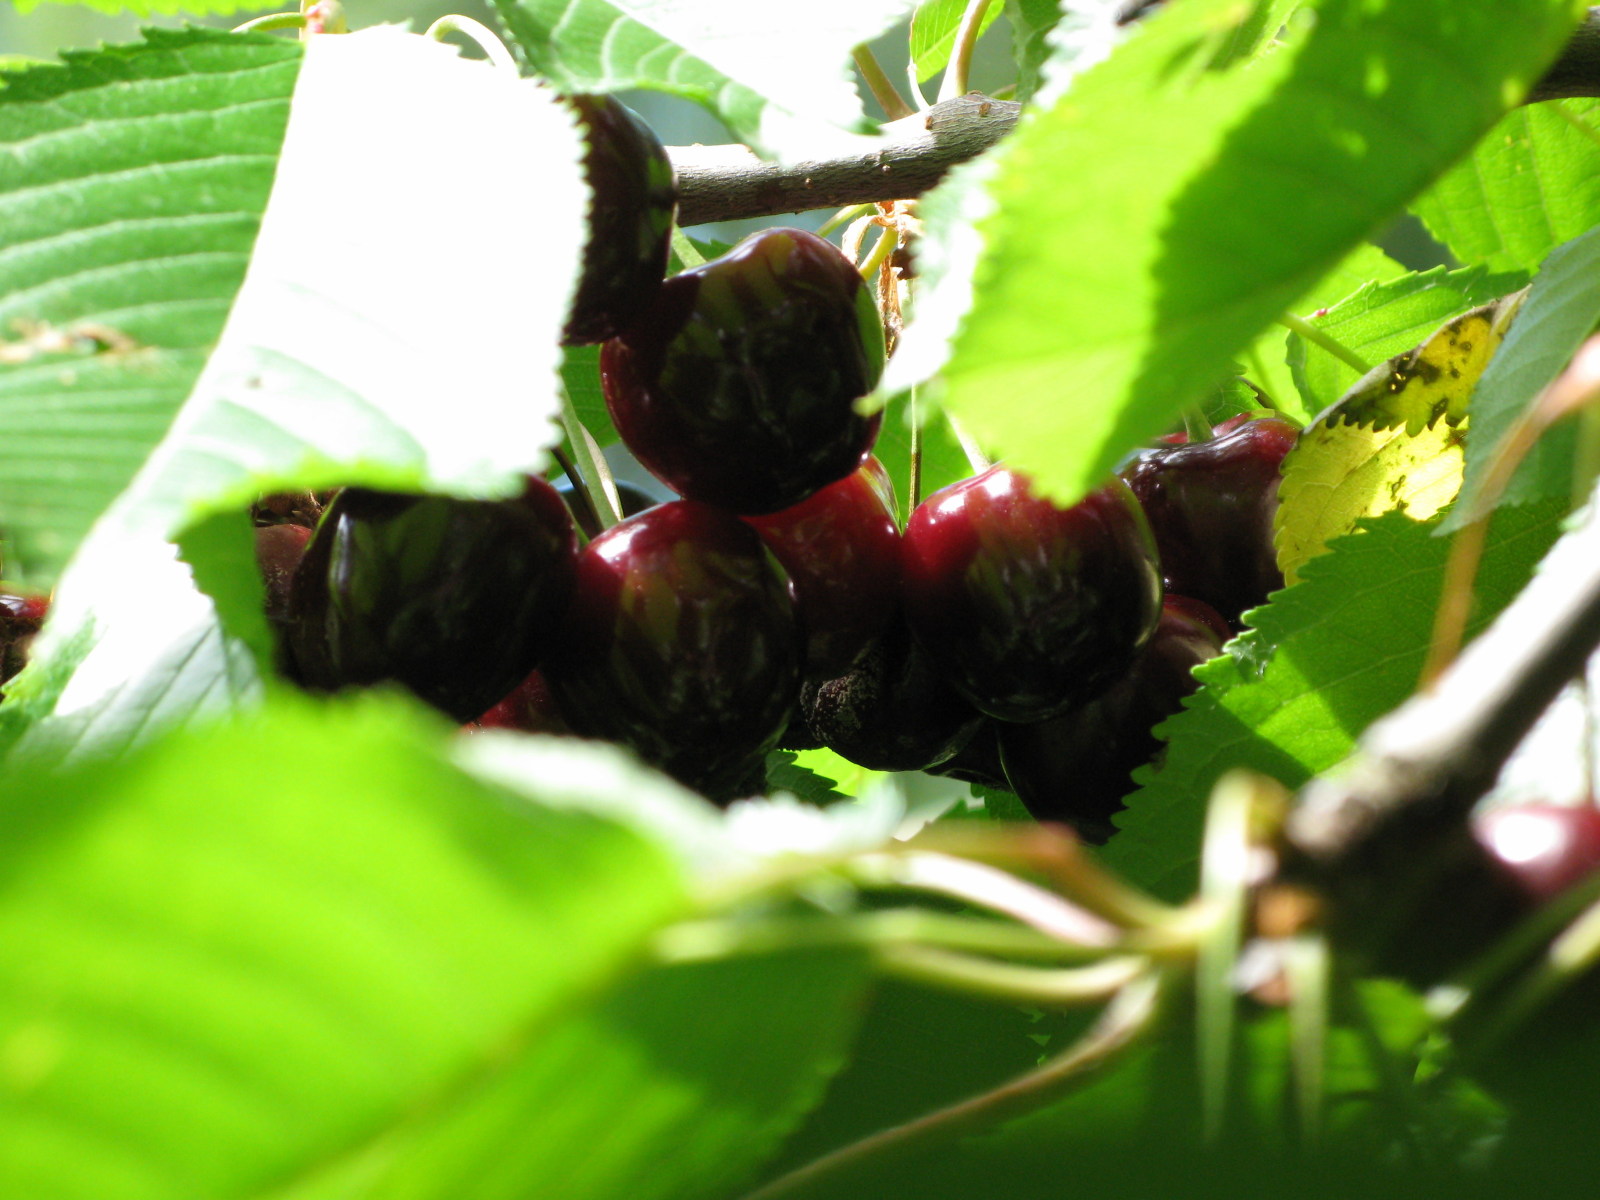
<point x="1055" y="853"/>
<point x="883" y="91"/>
<point x="955" y="72"/>
<point x="914" y="483"/>
<point x="844" y="216"/>
<point x="1128" y="1016"/>
<point x="583" y="506"/>
<point x="272" y="22"/>
<point x="595" y="476"/>
<point x="688" y="254"/>
<point x="1318" y="337"/>
<point x="974" y="976"/>
<point x="987" y="887"/>
<point x="920" y="100"/>
<point x="476" y="31"/>
<point x="975" y="456"/>
<point x="887" y="929"/>
<point x="881" y="249"/>
<point x="1196" y="425"/>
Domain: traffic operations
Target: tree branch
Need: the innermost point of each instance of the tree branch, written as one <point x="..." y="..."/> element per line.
<point x="1418" y="771"/>
<point x="727" y="183"/>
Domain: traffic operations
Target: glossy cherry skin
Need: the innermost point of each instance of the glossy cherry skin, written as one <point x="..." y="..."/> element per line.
<point x="21" y="615"/>
<point x="892" y="711"/>
<point x="682" y="643"/>
<point x="1211" y="506"/>
<point x="1544" y="848"/>
<point x="279" y="549"/>
<point x="1075" y="768"/>
<point x="630" y="219"/>
<point x="841" y="548"/>
<point x="528" y="708"/>
<point x="738" y="386"/>
<point x="1027" y="608"/>
<point x="454" y="599"/>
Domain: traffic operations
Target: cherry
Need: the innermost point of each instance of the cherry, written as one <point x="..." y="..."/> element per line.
<point x="21" y="615"/>
<point x="978" y="762"/>
<point x="455" y="599"/>
<point x="1211" y="506"/>
<point x="841" y="548"/>
<point x="738" y="386"/>
<point x="1029" y="609"/>
<point x="1075" y="768"/>
<point x="630" y="226"/>
<point x="892" y="711"/>
<point x="682" y="643"/>
<point x="529" y="708"/>
<point x="1543" y="848"/>
<point x="279" y="549"/>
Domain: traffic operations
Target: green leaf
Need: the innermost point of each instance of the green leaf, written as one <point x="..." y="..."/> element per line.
<point x="1149" y="225"/>
<point x="1325" y="659"/>
<point x="147" y="8"/>
<point x="217" y="978"/>
<point x="784" y="774"/>
<point x="1532" y="183"/>
<point x="1031" y="23"/>
<point x="366" y="972"/>
<point x="341" y="361"/>
<point x="788" y="91"/>
<point x="943" y="460"/>
<point x="1560" y="312"/>
<point x="933" y="32"/>
<point x="132" y="182"/>
<point x="1383" y="319"/>
<point x="1267" y="362"/>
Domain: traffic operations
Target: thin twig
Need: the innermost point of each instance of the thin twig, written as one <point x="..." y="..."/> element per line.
<point x="1128" y="1016"/>
<point x="883" y="90"/>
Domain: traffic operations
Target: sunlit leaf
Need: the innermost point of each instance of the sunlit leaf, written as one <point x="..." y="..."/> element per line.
<point x="933" y="32"/>
<point x="1393" y="442"/>
<point x="1149" y="225"/>
<point x="1532" y="183"/>
<point x="1562" y="309"/>
<point x="787" y="93"/>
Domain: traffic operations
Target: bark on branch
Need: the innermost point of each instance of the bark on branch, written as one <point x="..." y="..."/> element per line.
<point x="727" y="183"/>
<point x="1418" y="771"/>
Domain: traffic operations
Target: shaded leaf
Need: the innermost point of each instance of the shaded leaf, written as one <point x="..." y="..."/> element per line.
<point x="1385" y="319"/>
<point x="1266" y="361"/>
<point x="1325" y="659"/>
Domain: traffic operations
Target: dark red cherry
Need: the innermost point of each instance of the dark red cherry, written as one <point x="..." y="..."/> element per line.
<point x="1029" y="609"/>
<point x="892" y="711"/>
<point x="528" y="708"/>
<point x="630" y="219"/>
<point x="455" y="599"/>
<point x="682" y="643"/>
<point x="738" y="386"/>
<point x="1211" y="506"/>
<point x="1544" y="848"/>
<point x="1075" y="768"/>
<point x="841" y="548"/>
<point x="21" y="615"/>
<point x="279" y="549"/>
<point x="978" y="762"/>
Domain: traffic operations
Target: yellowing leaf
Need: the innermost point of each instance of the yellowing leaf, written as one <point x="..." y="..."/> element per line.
<point x="1393" y="442"/>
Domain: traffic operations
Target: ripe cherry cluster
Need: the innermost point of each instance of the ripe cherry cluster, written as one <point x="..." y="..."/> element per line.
<point x="1001" y="638"/>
